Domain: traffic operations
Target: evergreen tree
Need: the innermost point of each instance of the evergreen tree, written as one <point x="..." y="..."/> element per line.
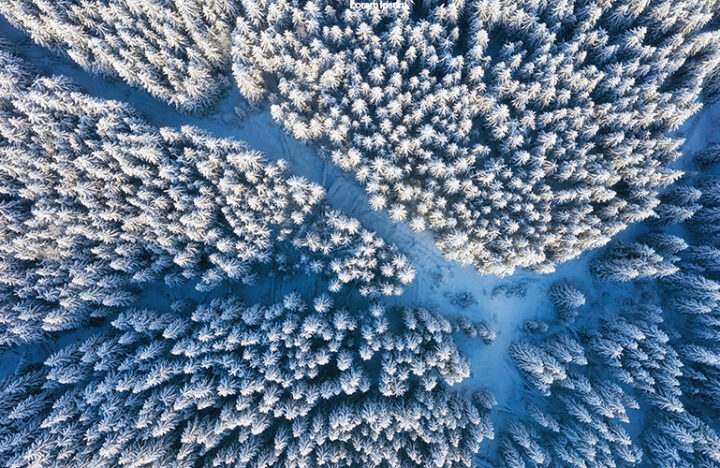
<point x="567" y="300"/>
<point x="178" y="50"/>
<point x="578" y="422"/>
<point x="519" y="133"/>
<point x="258" y="386"/>
<point x="627" y="261"/>
<point x="95" y="202"/>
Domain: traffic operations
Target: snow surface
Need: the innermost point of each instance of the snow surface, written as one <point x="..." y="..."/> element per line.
<point x="505" y="303"/>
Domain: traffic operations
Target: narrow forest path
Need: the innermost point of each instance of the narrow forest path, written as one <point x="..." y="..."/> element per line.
<point x="505" y="303"/>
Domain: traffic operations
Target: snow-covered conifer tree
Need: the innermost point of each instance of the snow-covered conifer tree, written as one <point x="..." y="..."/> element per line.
<point x="519" y="133"/>
<point x="624" y="261"/>
<point x="578" y="422"/>
<point x="178" y="51"/>
<point x="259" y="386"/>
<point x="567" y="300"/>
<point x="96" y="201"/>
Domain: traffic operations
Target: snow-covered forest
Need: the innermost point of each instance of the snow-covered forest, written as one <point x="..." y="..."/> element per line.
<point x="291" y="233"/>
<point x="518" y="135"/>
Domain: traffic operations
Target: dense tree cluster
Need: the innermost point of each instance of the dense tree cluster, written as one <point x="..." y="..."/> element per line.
<point x="672" y="354"/>
<point x="94" y="199"/>
<point x="693" y="297"/>
<point x="578" y="422"/>
<point x="691" y="292"/>
<point x="258" y="386"/>
<point x="544" y="365"/>
<point x="638" y="350"/>
<point x="177" y="50"/>
<point x="711" y="87"/>
<point x="519" y="133"/>
<point x="687" y="436"/>
<point x="625" y="261"/>
<point x="628" y="352"/>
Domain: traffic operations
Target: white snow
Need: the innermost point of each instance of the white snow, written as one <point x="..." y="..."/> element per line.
<point x="438" y="280"/>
